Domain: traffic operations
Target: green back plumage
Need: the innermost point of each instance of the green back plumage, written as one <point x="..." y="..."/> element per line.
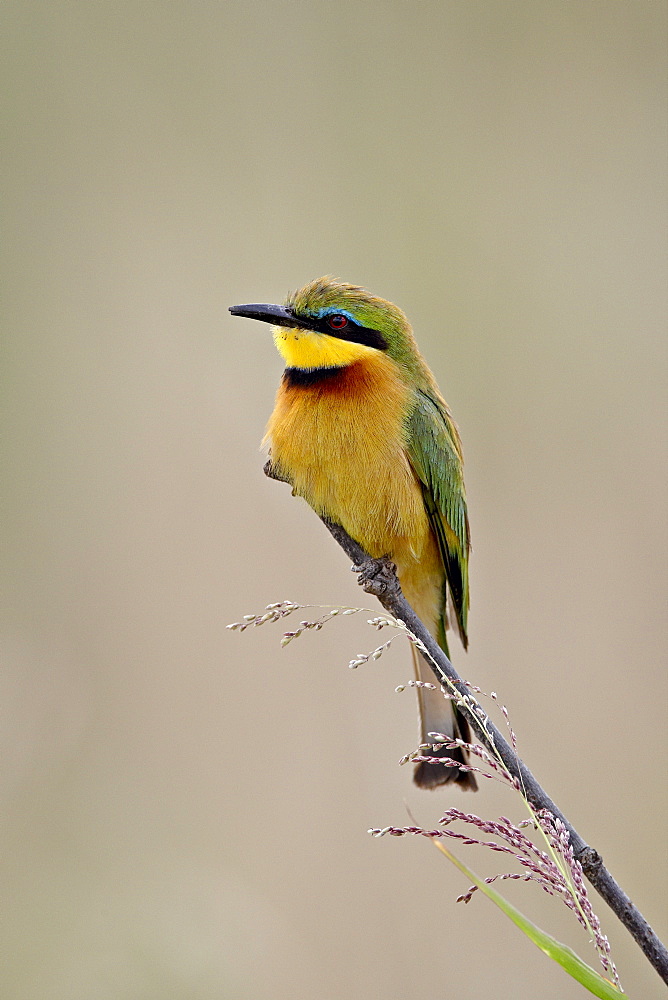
<point x="434" y="451"/>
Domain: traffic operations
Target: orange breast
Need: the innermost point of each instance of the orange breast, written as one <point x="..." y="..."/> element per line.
<point x="341" y="444"/>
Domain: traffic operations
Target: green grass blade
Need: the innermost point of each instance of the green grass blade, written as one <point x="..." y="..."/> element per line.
<point x="557" y="951"/>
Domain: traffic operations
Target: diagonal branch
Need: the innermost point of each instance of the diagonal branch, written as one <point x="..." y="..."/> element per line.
<point x="378" y="577"/>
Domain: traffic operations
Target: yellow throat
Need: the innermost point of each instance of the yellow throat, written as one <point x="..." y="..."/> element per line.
<point x="308" y="349"/>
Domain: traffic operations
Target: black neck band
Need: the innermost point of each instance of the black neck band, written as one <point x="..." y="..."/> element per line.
<point x="310" y="376"/>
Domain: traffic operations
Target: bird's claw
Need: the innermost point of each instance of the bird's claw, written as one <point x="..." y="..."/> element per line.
<point x="377" y="576"/>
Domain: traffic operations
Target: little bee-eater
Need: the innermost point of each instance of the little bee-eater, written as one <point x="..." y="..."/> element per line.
<point x="362" y="433"/>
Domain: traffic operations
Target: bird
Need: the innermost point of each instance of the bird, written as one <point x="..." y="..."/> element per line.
<point x="361" y="432"/>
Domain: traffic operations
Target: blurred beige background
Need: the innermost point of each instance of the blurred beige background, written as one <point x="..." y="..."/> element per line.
<point x="184" y="809"/>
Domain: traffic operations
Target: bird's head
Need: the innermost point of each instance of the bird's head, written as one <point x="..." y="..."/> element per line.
<point x="328" y="324"/>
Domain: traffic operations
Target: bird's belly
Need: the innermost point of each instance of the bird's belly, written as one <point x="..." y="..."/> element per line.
<point x="341" y="446"/>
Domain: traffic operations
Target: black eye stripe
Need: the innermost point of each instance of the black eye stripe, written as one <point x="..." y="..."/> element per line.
<point x="356" y="334"/>
<point x="352" y="331"/>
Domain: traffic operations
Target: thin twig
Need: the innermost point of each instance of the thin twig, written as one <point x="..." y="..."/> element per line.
<point x="378" y="577"/>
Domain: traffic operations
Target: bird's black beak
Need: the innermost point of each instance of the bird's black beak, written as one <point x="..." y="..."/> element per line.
<point x="276" y="315"/>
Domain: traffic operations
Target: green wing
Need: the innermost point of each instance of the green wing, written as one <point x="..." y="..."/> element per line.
<point x="434" y="451"/>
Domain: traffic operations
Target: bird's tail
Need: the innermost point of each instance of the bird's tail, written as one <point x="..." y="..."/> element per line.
<point x="439" y="715"/>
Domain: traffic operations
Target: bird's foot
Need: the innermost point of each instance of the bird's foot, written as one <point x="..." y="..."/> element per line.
<point x="378" y="576"/>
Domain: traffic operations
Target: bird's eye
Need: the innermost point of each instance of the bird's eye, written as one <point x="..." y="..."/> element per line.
<point x="337" y="322"/>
